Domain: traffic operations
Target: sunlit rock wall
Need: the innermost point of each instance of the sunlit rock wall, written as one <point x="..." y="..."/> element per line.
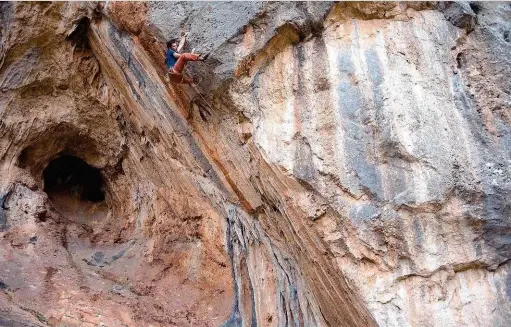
<point x="388" y="121"/>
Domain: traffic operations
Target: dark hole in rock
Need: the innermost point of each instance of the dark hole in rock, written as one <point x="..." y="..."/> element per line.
<point x="22" y="159"/>
<point x="506" y="36"/>
<point x="460" y="60"/>
<point x="73" y="176"/>
<point x="79" y="35"/>
<point x="476" y="7"/>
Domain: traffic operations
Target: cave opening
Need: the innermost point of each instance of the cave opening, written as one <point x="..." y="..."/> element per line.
<point x="72" y="176"/>
<point x="79" y="36"/>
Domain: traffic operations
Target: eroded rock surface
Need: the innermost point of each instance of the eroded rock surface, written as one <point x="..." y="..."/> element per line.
<point x="347" y="164"/>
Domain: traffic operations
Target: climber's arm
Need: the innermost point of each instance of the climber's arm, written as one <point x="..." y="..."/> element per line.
<point x="182" y="42"/>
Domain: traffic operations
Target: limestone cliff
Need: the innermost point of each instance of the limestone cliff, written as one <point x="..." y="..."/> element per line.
<point x="346" y="164"/>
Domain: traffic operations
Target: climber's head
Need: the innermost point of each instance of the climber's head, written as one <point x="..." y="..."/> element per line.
<point x="172" y="44"/>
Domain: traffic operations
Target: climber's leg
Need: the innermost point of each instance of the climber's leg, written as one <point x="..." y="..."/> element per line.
<point x="182" y="60"/>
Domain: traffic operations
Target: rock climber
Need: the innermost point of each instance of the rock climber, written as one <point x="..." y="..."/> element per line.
<point x="176" y="61"/>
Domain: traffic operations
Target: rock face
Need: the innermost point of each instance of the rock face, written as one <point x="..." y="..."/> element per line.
<point x="346" y="164"/>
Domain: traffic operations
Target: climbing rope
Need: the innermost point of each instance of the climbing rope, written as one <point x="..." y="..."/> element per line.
<point x="201" y="107"/>
<point x="200" y="94"/>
